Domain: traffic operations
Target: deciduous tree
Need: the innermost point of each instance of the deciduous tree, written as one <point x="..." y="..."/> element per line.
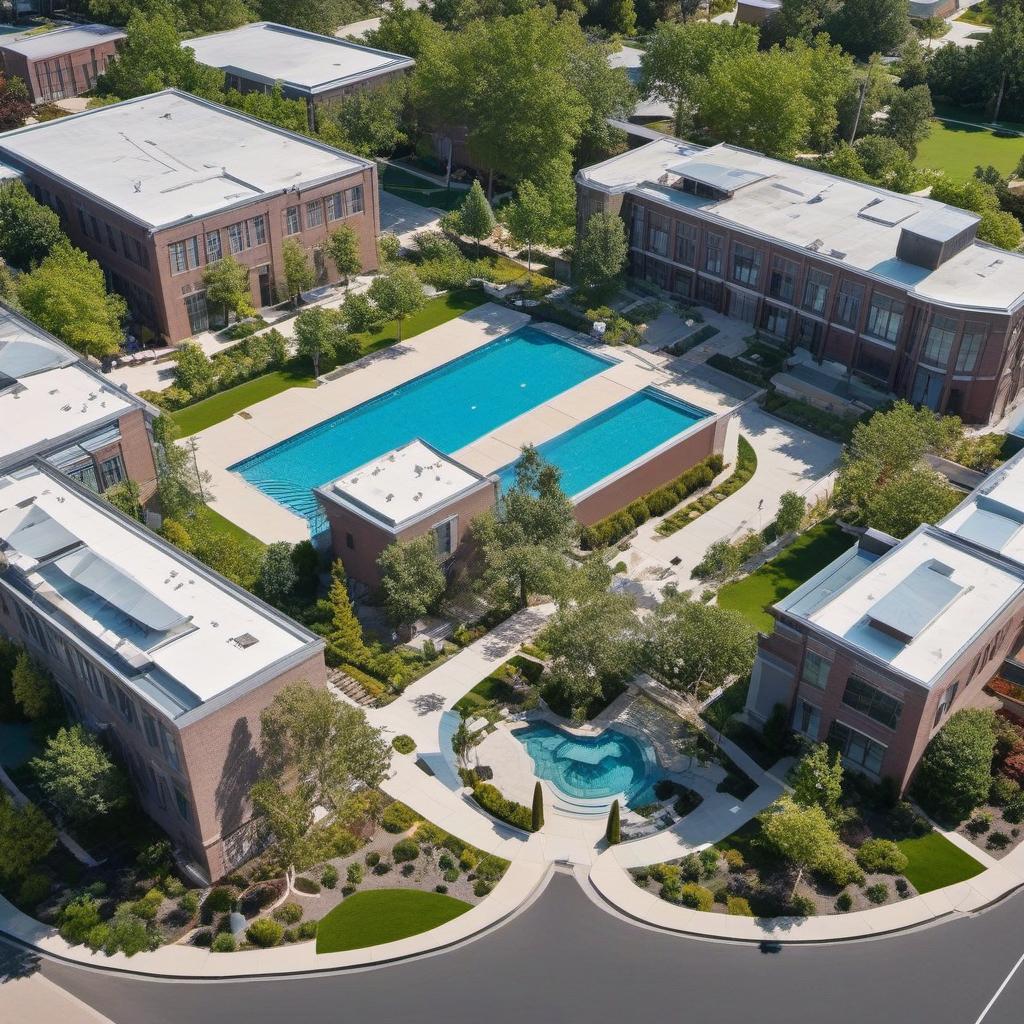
<point x="790" y="517"/>
<point x="32" y="687"/>
<point x="527" y="217"/>
<point x="66" y="294"/>
<point x="320" y="335"/>
<point x="909" y="120"/>
<point x="343" y="249"/>
<point x="277" y="577"/>
<point x="298" y="269"/>
<point x="77" y="774"/>
<point x="818" y="779"/>
<point x="397" y="293"/>
<point x="26" y="837"/>
<point x="227" y="286"/>
<point x="801" y="835"/>
<point x="475" y="217"/>
<point x="602" y="251"/>
<point x="28" y="230"/>
<point x="411" y="579"/>
<point x="956" y="769"/>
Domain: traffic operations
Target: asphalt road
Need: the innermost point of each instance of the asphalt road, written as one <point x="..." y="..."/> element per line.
<point x="566" y="960"/>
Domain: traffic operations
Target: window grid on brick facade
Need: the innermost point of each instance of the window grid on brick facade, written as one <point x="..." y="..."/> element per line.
<point x="314" y="214"/>
<point x="746" y="264"/>
<point x="871" y="701"/>
<point x="214" y="251"/>
<point x="939" y="340"/>
<point x="713" y="253"/>
<point x="971" y="345"/>
<point x="815" y="670"/>
<point x="782" y="279"/>
<point x="885" y="317"/>
<point x="292" y="223"/>
<point x="816" y="286"/>
<point x="856" y="748"/>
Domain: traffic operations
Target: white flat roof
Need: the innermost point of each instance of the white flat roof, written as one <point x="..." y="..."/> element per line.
<point x="170" y="156"/>
<point x="993" y="515"/>
<point x="183" y="631"/>
<point x="841" y="221"/>
<point x="63" y="40"/>
<point x="303" y="61"/>
<point x="403" y="484"/>
<point x="964" y="592"/>
<point x="46" y="392"/>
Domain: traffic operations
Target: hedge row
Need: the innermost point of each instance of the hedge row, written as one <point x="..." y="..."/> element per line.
<point x="803" y="414"/>
<point x="746" y="464"/>
<point x="613" y="528"/>
<point x="491" y="799"/>
<point x="751" y="374"/>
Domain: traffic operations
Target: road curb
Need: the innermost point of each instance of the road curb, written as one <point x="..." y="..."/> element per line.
<point x="101" y="968"/>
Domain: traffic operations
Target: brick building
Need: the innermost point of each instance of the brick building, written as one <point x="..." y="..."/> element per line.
<point x="875" y="651"/>
<point x="410" y="492"/>
<point x="896" y="288"/>
<point x="63" y="63"/>
<point x="169" y="662"/>
<point x="158" y="187"/>
<point x="55" y="406"/>
<point x="308" y="66"/>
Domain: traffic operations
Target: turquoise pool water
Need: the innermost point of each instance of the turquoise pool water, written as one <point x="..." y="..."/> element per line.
<point x="612" y="439"/>
<point x="589" y="767"/>
<point x="449" y="408"/>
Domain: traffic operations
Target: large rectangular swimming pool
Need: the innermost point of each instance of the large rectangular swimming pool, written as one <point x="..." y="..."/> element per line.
<point x="611" y="440"/>
<point x="449" y="408"/>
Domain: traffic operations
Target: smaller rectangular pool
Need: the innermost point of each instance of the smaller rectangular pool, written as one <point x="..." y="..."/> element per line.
<point x="613" y="439"/>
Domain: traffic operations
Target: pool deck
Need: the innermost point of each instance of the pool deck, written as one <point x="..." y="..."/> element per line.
<point x="268" y="422"/>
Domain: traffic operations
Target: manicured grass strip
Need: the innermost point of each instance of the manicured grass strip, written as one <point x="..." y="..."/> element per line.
<point x="215" y="523"/>
<point x="808" y="554"/>
<point x="384" y="915"/>
<point x="934" y="862"/>
<point x="216" y="408"/>
<point x="958" y="148"/>
<point x="201" y="415"/>
<point x="418" y="190"/>
<point x="496" y="686"/>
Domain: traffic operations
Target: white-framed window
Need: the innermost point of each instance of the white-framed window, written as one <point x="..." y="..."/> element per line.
<point x="214" y="251"/>
<point x="713" y="253"/>
<point x="335" y="210"/>
<point x="807" y="719"/>
<point x="885" y="317"/>
<point x="169" y="747"/>
<point x="314" y="213"/>
<point x="816" y="287"/>
<point x="259" y="229"/>
<point x="353" y="200"/>
<point x="939" y="342"/>
<point x="176" y="254"/>
<point x="971" y="345"/>
<point x="815" y="670"/>
<point x="112" y="471"/>
<point x="292" y="223"/>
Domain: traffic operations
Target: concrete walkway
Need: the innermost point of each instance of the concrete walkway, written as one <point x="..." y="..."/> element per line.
<point x="788" y="459"/>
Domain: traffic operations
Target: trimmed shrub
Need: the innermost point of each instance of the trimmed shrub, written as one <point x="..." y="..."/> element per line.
<point x="537" y="809"/>
<point x="33" y="890"/>
<point x="882" y="855"/>
<point x="329" y="875"/>
<point x="468" y="859"/>
<point x="1002" y="790"/>
<point x="405" y="849"/>
<point x="383" y="867"/>
<point x="451" y="875"/>
<point x="696" y="897"/>
<point x="404" y="744"/>
<point x="173" y="888"/>
<point x="613" y="528"/>
<point x="202" y="938"/>
<point x="372" y="860"/>
<point x="902" y="888"/>
<point x="738" y="907"/>
<point x="220" y="900"/>
<point x="78" y="918"/>
<point x="491" y="799"/>
<point x="734" y="860"/>
<point x="840" y="870"/>
<point x="802" y="906"/>
<point x="481" y="888"/>
<point x="491" y="868"/>
<point x="877" y="893"/>
<point x="223" y="943"/>
<point x="189" y="903"/>
<point x="442" y="888"/>
<point x="427" y="834"/>
<point x="746" y="464"/>
<point x="307" y="930"/>
<point x="844" y="902"/>
<point x="998" y="841"/>
<point x="398" y="818"/>
<point x="307" y="885"/>
<point x="613" y="831"/>
<point x="265" y="933"/>
<point x="288" y="913"/>
<point x="445" y="861"/>
<point x="147" y="907"/>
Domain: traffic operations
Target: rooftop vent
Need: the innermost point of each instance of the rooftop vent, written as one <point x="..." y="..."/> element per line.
<point x="244" y="640"/>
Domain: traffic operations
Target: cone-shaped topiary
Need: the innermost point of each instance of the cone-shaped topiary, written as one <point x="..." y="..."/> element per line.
<point x="614" y="831"/>
<point x="537" y="817"/>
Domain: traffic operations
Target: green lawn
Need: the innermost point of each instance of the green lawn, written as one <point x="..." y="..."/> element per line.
<point x="216" y="523"/>
<point x="958" y="148"/>
<point x="419" y="190"/>
<point x="384" y="915"/>
<point x="796" y="564"/>
<point x="209" y="411"/>
<point x="935" y="862"/>
<point x="495" y="686"/>
<point x="201" y="415"/>
<point x="979" y="14"/>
